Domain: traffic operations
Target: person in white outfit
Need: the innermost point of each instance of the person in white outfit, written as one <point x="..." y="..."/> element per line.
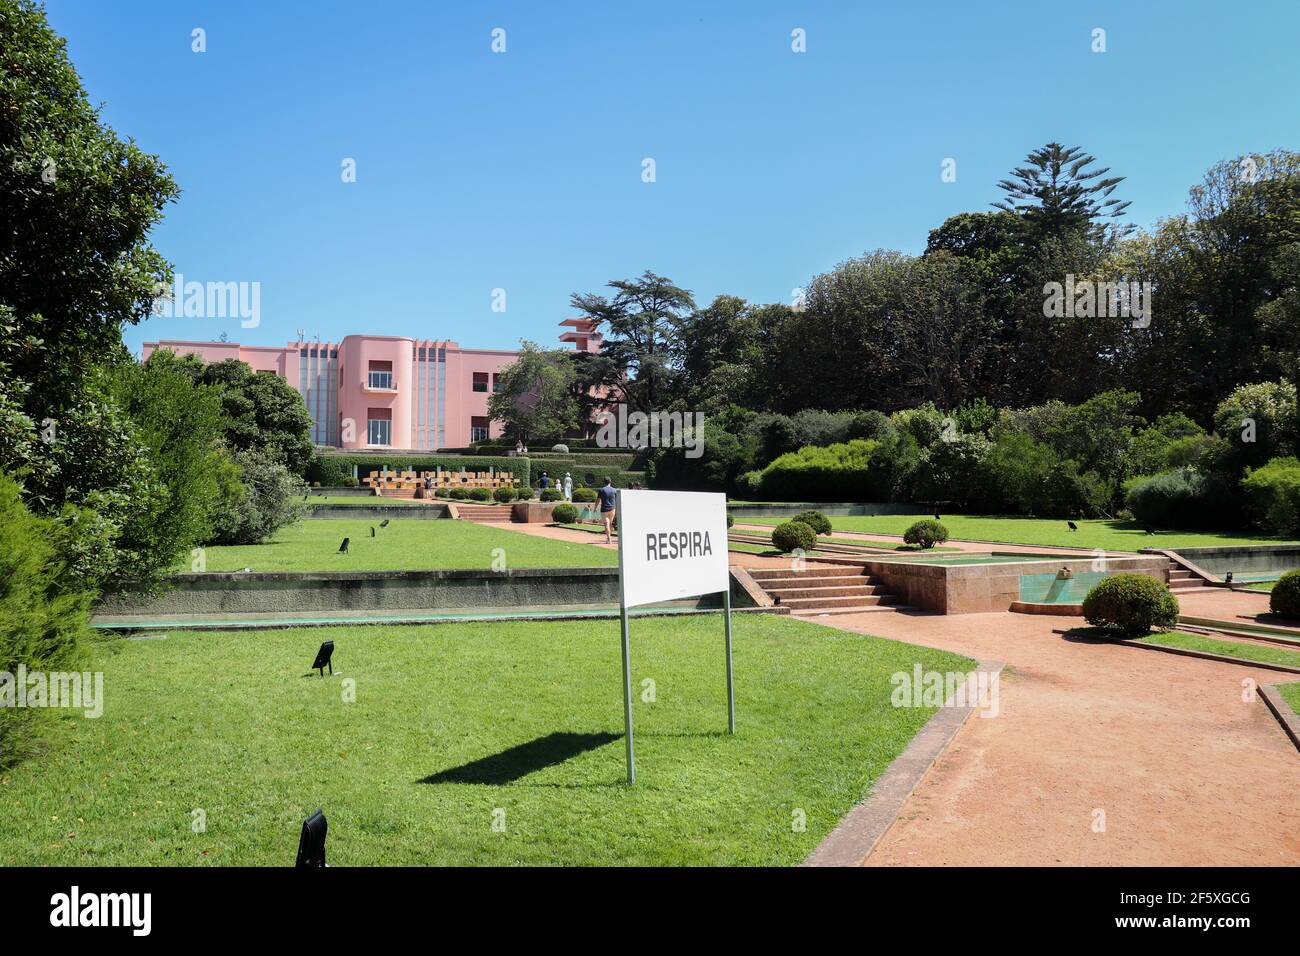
<point x="568" y="487"/>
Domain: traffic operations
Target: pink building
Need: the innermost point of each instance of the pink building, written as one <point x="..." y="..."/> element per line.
<point x="378" y="391"/>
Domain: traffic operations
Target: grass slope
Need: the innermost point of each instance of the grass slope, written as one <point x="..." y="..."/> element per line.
<point x="1094" y="533"/>
<point x="402" y="546"/>
<point x="232" y="724"/>
<point x="1213" y="645"/>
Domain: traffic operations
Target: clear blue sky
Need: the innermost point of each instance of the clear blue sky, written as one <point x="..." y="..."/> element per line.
<point x="523" y="170"/>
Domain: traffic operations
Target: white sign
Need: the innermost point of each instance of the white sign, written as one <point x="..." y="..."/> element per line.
<point x="671" y="544"/>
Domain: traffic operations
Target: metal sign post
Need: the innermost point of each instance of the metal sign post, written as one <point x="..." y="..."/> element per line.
<point x="627" y="650"/>
<point x="626" y="639"/>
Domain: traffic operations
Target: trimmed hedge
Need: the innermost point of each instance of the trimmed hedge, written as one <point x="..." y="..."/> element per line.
<point x="504" y="495"/>
<point x="1132" y="604"/>
<point x="550" y="494"/>
<point x="331" y="470"/>
<point x="832" y="473"/>
<point x="927" y="533"/>
<point x="1181" y="498"/>
<point x="585" y="495"/>
<point x="1284" y="601"/>
<point x="564" y="513"/>
<point x="793" y="534"/>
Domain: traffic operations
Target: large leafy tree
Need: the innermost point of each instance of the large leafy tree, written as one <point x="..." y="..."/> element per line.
<point x="262" y="413"/>
<point x="641" y="319"/>
<point x="536" y="398"/>
<point x="78" y="202"/>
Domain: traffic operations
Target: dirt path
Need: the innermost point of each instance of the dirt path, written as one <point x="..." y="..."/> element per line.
<point x="1184" y="770"/>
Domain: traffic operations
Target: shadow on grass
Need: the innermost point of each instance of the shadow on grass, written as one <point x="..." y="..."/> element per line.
<point x="1097" y="635"/>
<point x="519" y="761"/>
<point x="523" y="759"/>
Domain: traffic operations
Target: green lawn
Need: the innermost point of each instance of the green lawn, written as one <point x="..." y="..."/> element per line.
<point x="452" y="724"/>
<point x="1291" y="694"/>
<point x="402" y="546"/>
<point x="1213" y="645"/>
<point x="365" y="501"/>
<point x="1096" y="533"/>
<point x="1260" y="585"/>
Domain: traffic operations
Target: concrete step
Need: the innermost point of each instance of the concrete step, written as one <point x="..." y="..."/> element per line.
<point x="821" y="581"/>
<point x="862" y="609"/>
<point x="848" y="590"/>
<point x="800" y="604"/>
<point x="812" y="571"/>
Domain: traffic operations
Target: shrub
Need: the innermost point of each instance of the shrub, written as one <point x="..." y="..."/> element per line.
<point x="44" y="612"/>
<point x="813" y="519"/>
<point x="1131" y="603"/>
<point x="269" y="499"/>
<point x="830" y="473"/>
<point x="551" y="494"/>
<point x="351" y="481"/>
<point x="1285" y="599"/>
<point x="926" y="533"/>
<point x="730" y="521"/>
<point x="564" y="513"/>
<point x="1273" y="496"/>
<point x="480" y="494"/>
<point x="561" y="448"/>
<point x="793" y="534"/>
<point x="523" y="493"/>
<point x="458" y="494"/>
<point x="585" y="495"/>
<point x="1181" y="498"/>
<point x="504" y="495"/>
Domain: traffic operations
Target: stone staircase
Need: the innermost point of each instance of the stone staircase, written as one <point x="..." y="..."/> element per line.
<point x="823" y="589"/>
<point x="483" y="514"/>
<point x="1181" y="580"/>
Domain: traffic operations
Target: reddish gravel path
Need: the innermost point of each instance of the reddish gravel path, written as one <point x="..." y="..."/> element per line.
<point x="1186" y="772"/>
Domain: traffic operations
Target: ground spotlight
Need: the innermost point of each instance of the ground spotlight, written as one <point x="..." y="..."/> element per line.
<point x="311" y="845"/>
<point x="323" y="658"/>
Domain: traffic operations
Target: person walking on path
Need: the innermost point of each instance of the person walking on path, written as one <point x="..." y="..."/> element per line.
<point x="607" y="498"/>
<point x="568" y="486"/>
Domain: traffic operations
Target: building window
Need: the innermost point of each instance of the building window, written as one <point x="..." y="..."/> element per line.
<point x="380" y="375"/>
<point x="497" y="384"/>
<point x="379" y="426"/>
<point x="480" y="382"/>
<point x="478" y="428"/>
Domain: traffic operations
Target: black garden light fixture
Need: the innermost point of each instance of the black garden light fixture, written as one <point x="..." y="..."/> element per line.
<point x="324" y="658"/>
<point x="311" y="845"/>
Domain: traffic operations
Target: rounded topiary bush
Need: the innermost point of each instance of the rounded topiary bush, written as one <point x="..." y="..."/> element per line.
<point x="815" y="520"/>
<point x="551" y="494"/>
<point x="793" y="534"/>
<point x="458" y="494"/>
<point x="564" y="513"/>
<point x="504" y="495"/>
<point x="1285" y="599"/>
<point x="561" y="448"/>
<point x="584" y="494"/>
<point x="926" y="533"/>
<point x="730" y="521"/>
<point x="1131" y="603"/>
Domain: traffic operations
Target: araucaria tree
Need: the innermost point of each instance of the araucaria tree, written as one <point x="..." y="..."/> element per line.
<point x="1056" y="192"/>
